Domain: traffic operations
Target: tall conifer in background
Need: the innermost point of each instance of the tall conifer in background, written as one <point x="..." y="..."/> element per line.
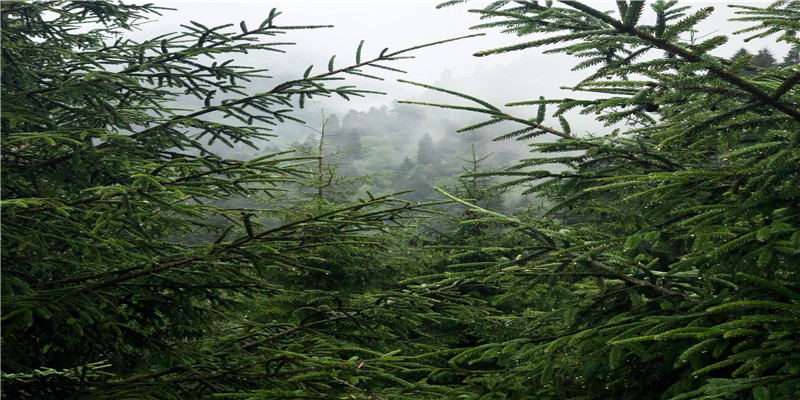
<point x="792" y="57"/>
<point x="667" y="266"/>
<point x="426" y="153"/>
<point x="764" y="59"/>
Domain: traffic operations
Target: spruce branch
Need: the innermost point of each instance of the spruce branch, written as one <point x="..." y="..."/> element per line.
<point x="672" y="48"/>
<point x="278" y="90"/>
<point x="218" y="249"/>
<point x="552" y="246"/>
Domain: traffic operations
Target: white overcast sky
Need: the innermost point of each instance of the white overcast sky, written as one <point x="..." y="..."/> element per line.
<point x="400" y="24"/>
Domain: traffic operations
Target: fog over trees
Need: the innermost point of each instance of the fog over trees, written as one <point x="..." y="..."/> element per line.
<point x="203" y="212"/>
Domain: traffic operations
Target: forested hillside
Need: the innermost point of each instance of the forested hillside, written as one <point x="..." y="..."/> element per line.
<point x="653" y="257"/>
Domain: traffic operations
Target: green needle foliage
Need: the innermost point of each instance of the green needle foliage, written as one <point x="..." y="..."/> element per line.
<point x="139" y="264"/>
<point x="667" y="265"/>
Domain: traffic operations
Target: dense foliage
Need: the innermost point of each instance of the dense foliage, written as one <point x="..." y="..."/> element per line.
<point x="140" y="264"/>
<point x="667" y="266"/>
<point x="137" y="263"/>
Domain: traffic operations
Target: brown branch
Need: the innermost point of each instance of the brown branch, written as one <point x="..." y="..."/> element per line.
<point x="181" y="368"/>
<point x="294" y="329"/>
<point x="665" y="45"/>
<point x="130" y="273"/>
<point x="206" y="110"/>
<point x="311" y="324"/>
<point x="621" y="276"/>
<point x="638" y="282"/>
<point x="786" y="86"/>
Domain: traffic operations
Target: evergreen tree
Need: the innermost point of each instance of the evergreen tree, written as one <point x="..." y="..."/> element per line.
<point x="744" y="56"/>
<point x="406" y="166"/>
<point x="764" y="59"/>
<point x="792" y="57"/>
<point x="476" y="183"/>
<point x="666" y="267"/>
<point x="742" y="52"/>
<point x="426" y="152"/>
<point x="140" y="264"/>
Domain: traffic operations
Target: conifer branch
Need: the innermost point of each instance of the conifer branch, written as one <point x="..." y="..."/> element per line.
<point x="181" y="368"/>
<point x="296" y="328"/>
<point x="488" y="109"/>
<point x="665" y="45"/>
<point x="275" y="91"/>
<point x="147" y="269"/>
<point x="590" y="261"/>
<point x="787" y="85"/>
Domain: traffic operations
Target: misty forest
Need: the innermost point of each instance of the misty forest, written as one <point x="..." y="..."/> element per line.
<point x="178" y="224"/>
